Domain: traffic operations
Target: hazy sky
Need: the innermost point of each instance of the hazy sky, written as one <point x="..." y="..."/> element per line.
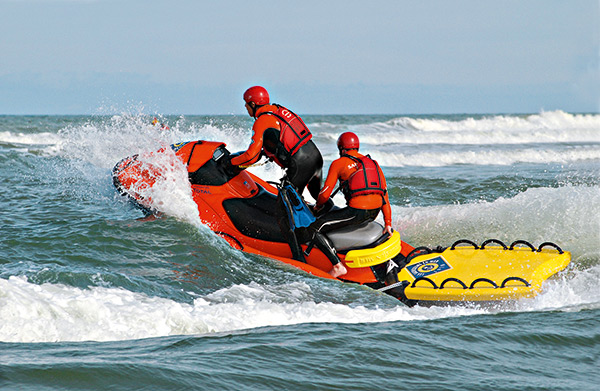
<point x="317" y="57"/>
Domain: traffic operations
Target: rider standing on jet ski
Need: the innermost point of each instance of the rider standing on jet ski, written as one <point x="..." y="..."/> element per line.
<point x="285" y="139"/>
<point x="365" y="189"/>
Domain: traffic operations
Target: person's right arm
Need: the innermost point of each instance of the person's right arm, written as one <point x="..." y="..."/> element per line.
<point x="252" y="154"/>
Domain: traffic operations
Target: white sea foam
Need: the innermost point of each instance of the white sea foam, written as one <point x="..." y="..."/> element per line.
<point x="569" y="291"/>
<point x="56" y="312"/>
<point x="44" y="138"/>
<point x="481" y="137"/>
<point x="567" y="216"/>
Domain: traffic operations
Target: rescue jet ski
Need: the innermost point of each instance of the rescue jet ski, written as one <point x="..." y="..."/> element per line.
<point x="243" y="209"/>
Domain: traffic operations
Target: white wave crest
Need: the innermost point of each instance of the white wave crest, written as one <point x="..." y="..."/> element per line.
<point x="423" y="157"/>
<point x="545" y="120"/>
<point x="44" y="138"/>
<point x="546" y="127"/>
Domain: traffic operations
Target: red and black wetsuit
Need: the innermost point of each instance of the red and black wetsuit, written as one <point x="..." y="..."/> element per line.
<point x="365" y="189"/>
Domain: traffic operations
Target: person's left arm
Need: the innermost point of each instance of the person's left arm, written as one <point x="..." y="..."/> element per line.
<point x="332" y="177"/>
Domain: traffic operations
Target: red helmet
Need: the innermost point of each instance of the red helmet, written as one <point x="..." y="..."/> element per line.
<point x="348" y="140"/>
<point x="258" y="95"/>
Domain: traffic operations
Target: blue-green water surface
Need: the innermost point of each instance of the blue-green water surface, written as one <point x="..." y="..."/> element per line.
<point x="91" y="298"/>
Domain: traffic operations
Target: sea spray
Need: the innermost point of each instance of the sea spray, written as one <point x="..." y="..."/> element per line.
<point x="559" y="215"/>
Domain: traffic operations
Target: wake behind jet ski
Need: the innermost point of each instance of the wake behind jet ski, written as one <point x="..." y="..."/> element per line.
<point x="242" y="208"/>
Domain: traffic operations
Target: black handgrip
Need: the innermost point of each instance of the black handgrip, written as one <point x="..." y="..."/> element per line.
<point x="516" y="242"/>
<point x="464" y="241"/>
<point x="493" y="241"/>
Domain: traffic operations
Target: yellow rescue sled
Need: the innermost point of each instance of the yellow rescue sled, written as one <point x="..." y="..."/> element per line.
<point x="490" y="272"/>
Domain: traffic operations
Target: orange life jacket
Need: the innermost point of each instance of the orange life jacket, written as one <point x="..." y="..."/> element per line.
<point x="293" y="133"/>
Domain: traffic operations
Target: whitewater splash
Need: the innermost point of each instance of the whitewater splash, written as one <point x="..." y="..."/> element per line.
<point x="57" y="313"/>
<point x="564" y="215"/>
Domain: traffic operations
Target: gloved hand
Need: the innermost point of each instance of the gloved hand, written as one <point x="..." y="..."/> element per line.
<point x="319" y="210"/>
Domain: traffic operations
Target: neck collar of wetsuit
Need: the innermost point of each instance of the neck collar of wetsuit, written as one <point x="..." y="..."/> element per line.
<point x="351" y="152"/>
<point x="263" y="109"/>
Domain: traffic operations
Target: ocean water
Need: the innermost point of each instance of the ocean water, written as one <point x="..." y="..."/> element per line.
<point x="92" y="298"/>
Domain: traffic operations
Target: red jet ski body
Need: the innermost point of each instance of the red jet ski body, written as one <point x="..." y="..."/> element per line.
<point x="242" y="208"/>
